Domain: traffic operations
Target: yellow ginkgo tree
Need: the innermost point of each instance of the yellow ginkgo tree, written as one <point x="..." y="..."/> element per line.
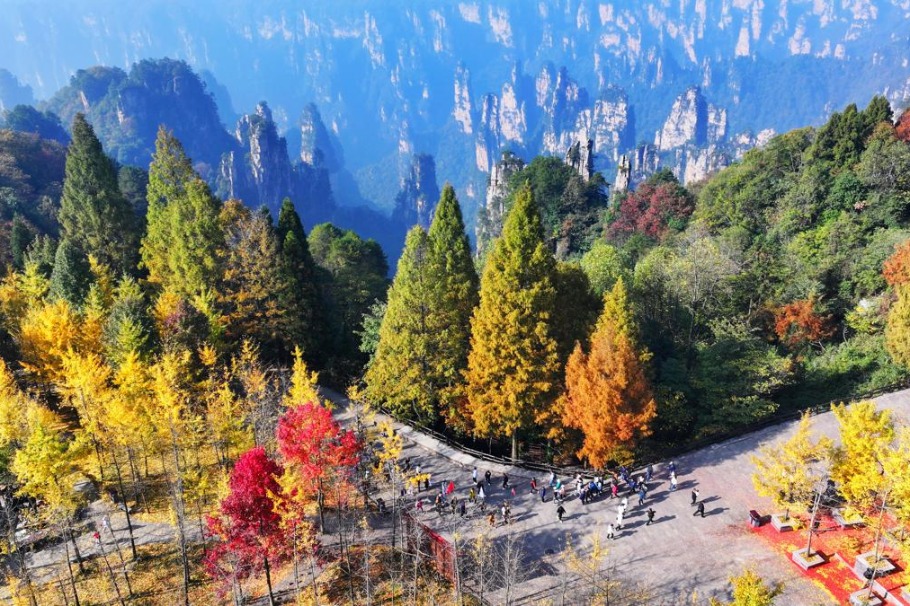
<point x="786" y="472"/>
<point x="866" y="434"/>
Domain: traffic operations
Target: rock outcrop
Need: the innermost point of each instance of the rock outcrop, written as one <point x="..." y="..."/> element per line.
<point x="418" y="194"/>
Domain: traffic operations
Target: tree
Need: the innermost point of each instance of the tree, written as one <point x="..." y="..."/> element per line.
<point x="128" y="329"/>
<point x="254" y="285"/>
<point x="93" y="212"/>
<point x="750" y="590"/>
<point x="798" y="324"/>
<point x="513" y="364"/>
<point x="249" y="527"/>
<point x="455" y="287"/>
<point x="865" y="439"/>
<point x="603" y="266"/>
<point x="303" y="317"/>
<point x="316" y="450"/>
<point x="896" y="268"/>
<point x="352" y="275"/>
<point x="184" y="243"/>
<point x="784" y="472"/>
<point x="660" y="206"/>
<point x="607" y="393"/>
<point x="402" y="375"/>
<point x="71" y="276"/>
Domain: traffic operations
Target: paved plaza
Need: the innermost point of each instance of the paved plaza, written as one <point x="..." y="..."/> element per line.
<point x="676" y="555"/>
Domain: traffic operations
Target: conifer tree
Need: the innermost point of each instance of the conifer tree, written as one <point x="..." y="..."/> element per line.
<point x="253" y="284"/>
<point x="455" y="295"/>
<point x="71" y="276"/>
<point x="403" y="373"/>
<point x="302" y="323"/>
<point x="184" y="242"/>
<point x="607" y="395"/>
<point x="94" y="215"/>
<point x="513" y="365"/>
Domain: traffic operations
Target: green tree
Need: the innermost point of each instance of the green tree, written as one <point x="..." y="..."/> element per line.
<point x="71" y="276"/>
<point x="183" y="245"/>
<point x="456" y="294"/>
<point x="303" y="321"/>
<point x="128" y="328"/>
<point x="513" y="365"/>
<point x="603" y="265"/>
<point x="577" y="308"/>
<point x="93" y="213"/>
<point x="352" y="275"/>
<point x="403" y="372"/>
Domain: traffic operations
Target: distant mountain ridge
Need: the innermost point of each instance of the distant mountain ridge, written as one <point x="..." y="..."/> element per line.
<point x="689" y="84"/>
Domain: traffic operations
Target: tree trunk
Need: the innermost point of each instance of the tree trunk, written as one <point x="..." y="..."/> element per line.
<point x="268" y="580"/>
<point x="126" y="510"/>
<point x="515" y="445"/>
<point x="69" y="566"/>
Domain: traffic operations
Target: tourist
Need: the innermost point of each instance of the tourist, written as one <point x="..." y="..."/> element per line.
<point x="534" y="485"/>
<point x="488" y="475"/>
<point x="649" y="472"/>
<point x="474" y="475"/>
<point x="505" y="481"/>
<point x="560" y="511"/>
<point x="673" y="484"/>
<point x="543" y="494"/>
<point x="614" y="489"/>
<point x="641" y="496"/>
<point x="650" y="516"/>
<point x="694" y="495"/>
<point x="472" y="495"/>
<point x="611" y="533"/>
<point x="700" y="510"/>
<point x="462" y="509"/>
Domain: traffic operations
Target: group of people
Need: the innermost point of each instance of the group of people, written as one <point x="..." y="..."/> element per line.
<point x="587" y="490"/>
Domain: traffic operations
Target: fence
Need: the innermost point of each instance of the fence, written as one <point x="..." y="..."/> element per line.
<point x="686" y="448"/>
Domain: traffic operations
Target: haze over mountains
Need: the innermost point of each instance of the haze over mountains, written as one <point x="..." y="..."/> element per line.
<point x="362" y="90"/>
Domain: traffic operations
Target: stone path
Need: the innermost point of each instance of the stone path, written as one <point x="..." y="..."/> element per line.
<point x="678" y="554"/>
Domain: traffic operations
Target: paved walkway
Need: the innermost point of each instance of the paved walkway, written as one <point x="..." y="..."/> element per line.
<point x="678" y="554"/>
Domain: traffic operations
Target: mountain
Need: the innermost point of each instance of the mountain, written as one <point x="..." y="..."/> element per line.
<point x="688" y="85"/>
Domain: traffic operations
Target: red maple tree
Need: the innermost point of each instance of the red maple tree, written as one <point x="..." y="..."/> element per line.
<point x="896" y="269"/>
<point x="248" y="532"/>
<point x="653" y="210"/>
<point x="317" y="449"/>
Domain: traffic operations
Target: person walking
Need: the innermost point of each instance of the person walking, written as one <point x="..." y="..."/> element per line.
<point x="641" y="496"/>
<point x="619" y="517"/>
<point x="611" y="533"/>
<point x="534" y="485"/>
<point x="474" y="475"/>
<point x="488" y="475"/>
<point x="673" y="484"/>
<point x="505" y="481"/>
<point x="450" y="488"/>
<point x="694" y="495"/>
<point x="492" y="519"/>
<point x="560" y="511"/>
<point x="482" y="495"/>
<point x="700" y="510"/>
<point x="649" y="472"/>
<point x="472" y="495"/>
<point x="625" y="503"/>
<point x="543" y="494"/>
<point x="552" y="478"/>
<point x="462" y="509"/>
<point x="650" y="516"/>
<point x="614" y="489"/>
<point x="672" y="467"/>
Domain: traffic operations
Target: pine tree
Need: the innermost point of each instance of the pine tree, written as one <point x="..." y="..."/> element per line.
<point x="302" y="324"/>
<point x="93" y="213"/>
<point x="71" y="276"/>
<point x="513" y="365"/>
<point x="607" y="395"/>
<point x="184" y="242"/>
<point x="253" y="284"/>
<point x="403" y="373"/>
<point x="455" y="291"/>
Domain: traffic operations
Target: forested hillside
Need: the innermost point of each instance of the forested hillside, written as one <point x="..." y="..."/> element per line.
<point x="154" y="334"/>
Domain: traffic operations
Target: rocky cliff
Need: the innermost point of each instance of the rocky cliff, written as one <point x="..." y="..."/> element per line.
<point x="418" y="194"/>
<point x="480" y="76"/>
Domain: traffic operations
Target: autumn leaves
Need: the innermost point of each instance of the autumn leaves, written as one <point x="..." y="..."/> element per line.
<point x="491" y="362"/>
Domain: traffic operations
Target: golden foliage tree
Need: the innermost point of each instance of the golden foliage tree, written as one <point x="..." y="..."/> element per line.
<point x="749" y="589"/>
<point x="784" y="471"/>
<point x="607" y="395"/>
<point x="513" y="364"/>
<point x="866" y="434"/>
